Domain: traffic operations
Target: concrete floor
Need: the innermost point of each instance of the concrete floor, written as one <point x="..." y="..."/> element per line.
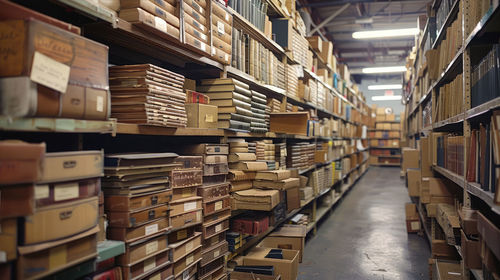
<point x="365" y="237"/>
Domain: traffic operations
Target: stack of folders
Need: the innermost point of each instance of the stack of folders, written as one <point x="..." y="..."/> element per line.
<point x="486" y="78"/>
<point x="253" y="10"/>
<point x="222" y="23"/>
<point x="259" y="115"/>
<point x="196" y="17"/>
<point x="147" y="94"/>
<point x="233" y="99"/>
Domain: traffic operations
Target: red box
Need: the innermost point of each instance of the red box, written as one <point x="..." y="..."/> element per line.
<point x="251" y="225"/>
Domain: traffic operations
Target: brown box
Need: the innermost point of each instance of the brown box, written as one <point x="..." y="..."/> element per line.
<point x="425" y="157"/>
<point x="180" y="235"/>
<point x="215" y="169"/>
<point x="437" y="187"/>
<point x="217" y="216"/>
<point x="412" y="218"/>
<point x="468" y="220"/>
<point x="201" y="115"/>
<point x="189" y="162"/>
<point x="390" y="118"/>
<point x="380" y="118"/>
<point x="292" y="199"/>
<point x="410" y="158"/>
<point x="187" y="261"/>
<point x="137" y="218"/>
<point x="182" y="248"/>
<point x="133" y="234"/>
<point x="60" y="221"/>
<point x="216" y="205"/>
<point x="186" y="219"/>
<point x="65" y="166"/>
<point x="289" y="122"/>
<point x="137" y="201"/>
<point x="249" y="166"/>
<point x="207" y="149"/>
<point x="88" y="60"/>
<point x="211" y="192"/>
<point x="186" y="178"/>
<point x="214" y="252"/>
<point x="316" y="43"/>
<point x="471" y="252"/>
<point x="235" y="275"/>
<point x="413" y="177"/>
<point x="20" y="162"/>
<point x="54" y="193"/>
<point x="143" y="250"/>
<point x="291" y="237"/>
<point x="395" y="126"/>
<point x="185" y="192"/>
<point x="255" y="199"/>
<point x="17" y="200"/>
<point x="440" y="248"/>
<point x="327" y="51"/>
<point x="8" y="239"/>
<point x="209" y="242"/>
<point x="489" y="233"/>
<point x="286" y="267"/>
<point x="159" y="262"/>
<point x="38" y="261"/>
<point x="213" y="228"/>
<point x="185" y="205"/>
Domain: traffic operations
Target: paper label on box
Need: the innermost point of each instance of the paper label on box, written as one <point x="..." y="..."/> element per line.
<point x="198" y="216"/>
<point x="151" y="229"/>
<point x="209" y="118"/>
<point x="160" y="24"/>
<point x="151" y="247"/>
<point x="226" y="57"/>
<point x="57" y="256"/>
<point x="99" y="107"/>
<point x="227" y="16"/>
<point x="218" y="227"/>
<point x="220" y="27"/>
<point x="185" y="275"/>
<point x="218" y="205"/>
<point x="216" y="253"/>
<point x="203" y="47"/>
<point x="149" y="264"/>
<point x="3" y="256"/>
<point x="188" y="206"/>
<point x="213" y="51"/>
<point x="186" y="192"/>
<point x="49" y="72"/>
<point x="189" y="246"/>
<point x="189" y="259"/>
<point x="66" y="191"/>
<point x="415" y="225"/>
<point x="41" y="191"/>
<point x="156" y="277"/>
<point x="181" y="234"/>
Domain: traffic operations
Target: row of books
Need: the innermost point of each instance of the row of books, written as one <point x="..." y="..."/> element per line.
<point x="255" y="11"/>
<point x="485" y="78"/>
<point x="442" y="12"/>
<point x="450" y="100"/>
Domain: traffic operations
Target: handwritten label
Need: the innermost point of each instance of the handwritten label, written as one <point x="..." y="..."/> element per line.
<point x="188" y="206"/>
<point x="216" y="253"/>
<point x="149" y="264"/>
<point x="189" y="246"/>
<point x="218" y="205"/>
<point x="220" y="27"/>
<point x="151" y="247"/>
<point x="49" y="72"/>
<point x="41" y="191"/>
<point x="151" y="229"/>
<point x="160" y="24"/>
<point x="189" y="259"/>
<point x="99" y="107"/>
<point x="66" y="191"/>
<point x="218" y="227"/>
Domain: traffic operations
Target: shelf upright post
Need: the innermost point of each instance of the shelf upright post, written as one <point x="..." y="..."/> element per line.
<point x="467" y="89"/>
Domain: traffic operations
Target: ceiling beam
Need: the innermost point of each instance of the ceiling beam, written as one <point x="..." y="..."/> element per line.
<point x="336" y="3"/>
<point x="374" y="49"/>
<point x="315" y="19"/>
<point x="328" y="19"/>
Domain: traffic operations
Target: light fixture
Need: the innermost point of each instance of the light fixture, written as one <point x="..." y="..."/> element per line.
<point x="386" y="97"/>
<point x="389" y="69"/>
<point x="381" y="87"/>
<point x="385" y="33"/>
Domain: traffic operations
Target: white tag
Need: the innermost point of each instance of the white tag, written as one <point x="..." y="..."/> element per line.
<point x="41" y="191"/>
<point x="203" y="36"/>
<point x="213" y="51"/>
<point x="189" y="259"/>
<point x="185" y="275"/>
<point x="226" y="57"/>
<point x="156" y="277"/>
<point x="415" y="225"/>
<point x="188" y="206"/>
<point x="151" y="247"/>
<point x="218" y="205"/>
<point x="198" y="216"/>
<point x="216" y="253"/>
<point x="227" y="16"/>
<point x="220" y="27"/>
<point x="160" y="24"/>
<point x="49" y="72"/>
<point x="3" y="256"/>
<point x="151" y="229"/>
<point x="66" y="191"/>
<point x="149" y="264"/>
<point x="218" y="227"/>
<point x="189" y="246"/>
<point x="203" y="47"/>
<point x="99" y="107"/>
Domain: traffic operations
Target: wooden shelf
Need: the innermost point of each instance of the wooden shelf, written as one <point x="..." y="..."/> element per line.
<point x="488" y="23"/>
<point x="483" y="108"/>
<point x="450" y="121"/>
<point x="487" y="197"/>
<point x="390" y="156"/>
<point x="386" y="164"/>
<point x="57" y="125"/>
<point x="457" y="179"/>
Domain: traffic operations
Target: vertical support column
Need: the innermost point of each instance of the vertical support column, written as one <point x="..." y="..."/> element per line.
<point x="467" y="88"/>
<point x="314" y="216"/>
<point x="223" y="73"/>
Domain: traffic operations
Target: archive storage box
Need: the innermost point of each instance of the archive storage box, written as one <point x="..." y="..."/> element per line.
<point x="195" y="18"/>
<point x="221" y="29"/>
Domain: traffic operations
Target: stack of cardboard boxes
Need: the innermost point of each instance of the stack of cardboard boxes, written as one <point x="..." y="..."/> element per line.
<point x="222" y="26"/>
<point x="196" y="23"/>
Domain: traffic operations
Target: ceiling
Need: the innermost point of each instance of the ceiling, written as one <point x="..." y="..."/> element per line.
<point x="364" y="15"/>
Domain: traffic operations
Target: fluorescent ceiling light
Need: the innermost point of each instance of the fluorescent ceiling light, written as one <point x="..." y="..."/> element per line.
<point x="380" y="87"/>
<point x="386" y="97"/>
<point x="385" y="33"/>
<point x="389" y="69"/>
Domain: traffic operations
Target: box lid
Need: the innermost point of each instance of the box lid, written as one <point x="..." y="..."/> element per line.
<point x="290" y="231"/>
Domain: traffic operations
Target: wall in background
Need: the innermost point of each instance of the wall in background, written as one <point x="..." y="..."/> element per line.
<point x="396" y="106"/>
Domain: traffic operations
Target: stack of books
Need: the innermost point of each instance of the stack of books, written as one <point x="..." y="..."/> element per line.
<point x="233" y="99"/>
<point x="450" y="99"/>
<point x="147" y="94"/>
<point x="196" y="23"/>
<point x="259" y="115"/>
<point x="221" y="27"/>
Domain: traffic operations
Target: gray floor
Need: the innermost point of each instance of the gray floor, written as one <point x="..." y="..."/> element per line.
<point x="365" y="236"/>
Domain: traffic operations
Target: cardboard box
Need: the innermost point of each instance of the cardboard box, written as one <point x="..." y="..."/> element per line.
<point x="425" y="157"/>
<point x="290" y="237"/>
<point x="413" y="177"/>
<point x="38" y="261"/>
<point x="489" y="233"/>
<point x="186" y="219"/>
<point x="316" y="43"/>
<point x="437" y="187"/>
<point x="206" y="149"/>
<point x="182" y="248"/>
<point x="390" y="118"/>
<point x="236" y="275"/>
<point x="286" y="267"/>
<point x="395" y="126"/>
<point x="292" y="199"/>
<point x="133" y="234"/>
<point x="20" y="162"/>
<point x="60" y="221"/>
<point x="410" y="159"/>
<point x="8" y="239"/>
<point x="201" y="115"/>
<point x="187" y="261"/>
<point x="136" y="201"/>
<point x="447" y="270"/>
<point x="138" y="217"/>
<point x="327" y="52"/>
<point x="412" y="218"/>
<point x="471" y="252"/>
<point x="66" y="166"/>
<point x="289" y="122"/>
<point x="17" y="200"/>
<point x="185" y="205"/>
<point x="135" y="252"/>
<point x="439" y="248"/>
<point x="468" y="220"/>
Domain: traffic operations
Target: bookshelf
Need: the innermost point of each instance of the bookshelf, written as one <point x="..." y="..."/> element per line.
<point x="443" y="104"/>
<point x="385" y="136"/>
